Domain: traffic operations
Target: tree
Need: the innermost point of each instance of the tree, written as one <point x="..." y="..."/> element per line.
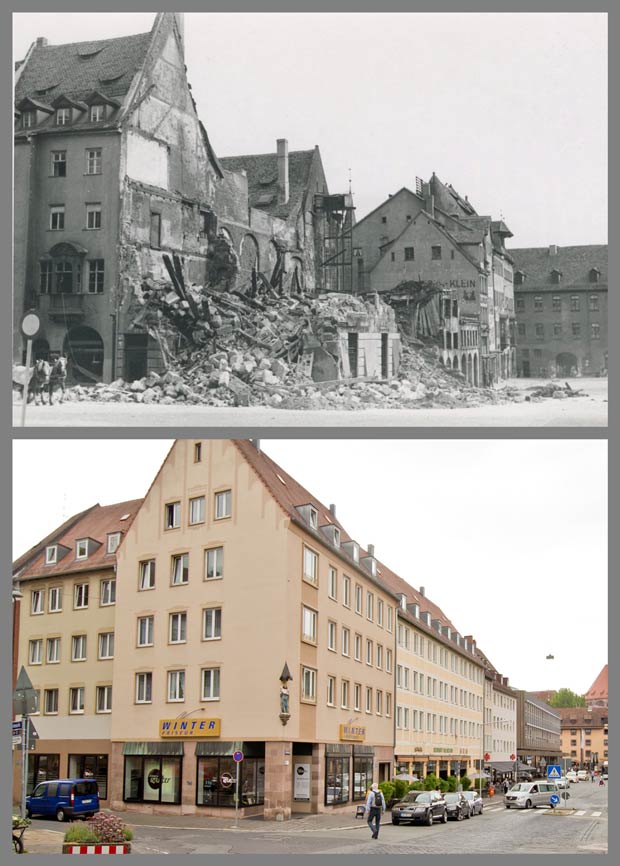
<point x="567" y="698"/>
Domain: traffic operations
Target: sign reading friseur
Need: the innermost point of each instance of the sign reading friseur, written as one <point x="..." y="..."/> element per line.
<point x="353" y="733"/>
<point x="189" y="728"/>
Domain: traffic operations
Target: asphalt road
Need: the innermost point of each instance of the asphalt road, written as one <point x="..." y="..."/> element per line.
<point x="587" y="411"/>
<point x="496" y="831"/>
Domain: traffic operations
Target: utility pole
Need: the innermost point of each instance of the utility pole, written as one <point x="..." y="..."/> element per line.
<point x="24" y="703"/>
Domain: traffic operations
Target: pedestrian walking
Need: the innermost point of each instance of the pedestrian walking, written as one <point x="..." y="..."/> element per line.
<point x="592" y="776"/>
<point x="505" y="785"/>
<point x="375" y="807"/>
<point x="601" y="783"/>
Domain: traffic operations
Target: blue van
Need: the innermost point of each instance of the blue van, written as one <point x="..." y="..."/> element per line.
<point x="64" y="798"/>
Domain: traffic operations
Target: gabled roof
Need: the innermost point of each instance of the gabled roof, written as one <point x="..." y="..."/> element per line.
<point x="599" y="690"/>
<point x="388" y="200"/>
<point x="95" y="523"/>
<point x="52" y="538"/>
<point x="575" y="263"/>
<point x="594" y="718"/>
<point x="448" y="199"/>
<point x="78" y="68"/>
<point x="262" y="172"/>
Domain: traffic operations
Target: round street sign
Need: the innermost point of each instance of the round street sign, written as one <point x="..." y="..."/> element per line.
<point x="226" y="779"/>
<point x="237" y="756"/>
<point x="487" y="757"/>
<point x="30" y="324"/>
<point x="513" y="757"/>
<point x="554" y="799"/>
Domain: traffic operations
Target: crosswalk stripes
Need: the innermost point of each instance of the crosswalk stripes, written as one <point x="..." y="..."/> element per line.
<point x="581" y="812"/>
<point x="596" y="814"/>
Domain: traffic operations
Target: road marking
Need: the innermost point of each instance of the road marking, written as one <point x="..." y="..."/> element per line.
<point x="580" y="812"/>
<point x="596" y="814"/>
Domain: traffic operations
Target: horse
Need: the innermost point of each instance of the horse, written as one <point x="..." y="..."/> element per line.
<point x="58" y="377"/>
<point x="37" y="378"/>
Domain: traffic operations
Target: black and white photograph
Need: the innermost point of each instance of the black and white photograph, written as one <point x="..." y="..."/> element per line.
<point x="310" y="219"/>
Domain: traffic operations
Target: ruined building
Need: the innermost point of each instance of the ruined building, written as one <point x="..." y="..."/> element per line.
<point x="114" y="170"/>
<point x="434" y="240"/>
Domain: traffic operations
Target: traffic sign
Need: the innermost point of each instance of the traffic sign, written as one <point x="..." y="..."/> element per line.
<point x="487" y="757"/>
<point x="17" y="740"/>
<point x="554" y="771"/>
<point x="237" y="756"/>
<point x="513" y="757"/>
<point x="16" y="728"/>
<point x="554" y="799"/>
<point x="30" y="324"/>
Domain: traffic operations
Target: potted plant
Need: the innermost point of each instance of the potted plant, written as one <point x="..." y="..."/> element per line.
<point x="104" y="833"/>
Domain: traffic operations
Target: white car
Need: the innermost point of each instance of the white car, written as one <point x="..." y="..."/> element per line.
<point x="564" y="782"/>
<point x="583" y="775"/>
<point x="572" y="776"/>
<point x="527" y="795"/>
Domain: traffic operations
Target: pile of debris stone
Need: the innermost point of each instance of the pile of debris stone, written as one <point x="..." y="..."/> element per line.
<point x="555" y="390"/>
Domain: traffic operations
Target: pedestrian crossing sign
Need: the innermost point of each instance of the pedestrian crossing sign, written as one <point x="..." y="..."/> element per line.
<point x="554" y="771"/>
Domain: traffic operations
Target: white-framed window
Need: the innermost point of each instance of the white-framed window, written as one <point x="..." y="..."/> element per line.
<point x="389" y="614"/>
<point x="93" y="215"/>
<point x="379" y="702"/>
<point x="380" y="612"/>
<point x="36" y="601"/>
<point x="223" y="504"/>
<point x="346" y="591"/>
<point x="358" y="648"/>
<point x="146" y="626"/>
<point x="50" y="702"/>
<point x="108" y="592"/>
<point x="196" y="510"/>
<point x="28" y="119"/>
<point x="53" y="650"/>
<point x="114" y="539"/>
<point x="388" y="661"/>
<point x="104" y="699"/>
<point x="93" y="160"/>
<point x="176" y="686"/>
<point x="379" y="656"/>
<point x="59" y="163"/>
<point x="308" y="624"/>
<point x="346" y="641"/>
<point x="314" y="517"/>
<point x="212" y="623"/>
<point x="399" y="676"/>
<point x="357" y="697"/>
<point x="344" y="694"/>
<point x="63" y="116"/>
<point x="35" y="652"/>
<point x="172" y="515"/>
<point x="332" y="583"/>
<point x="369" y="649"/>
<point x="55" y="599"/>
<point x="51" y="554"/>
<point x="147" y="574"/>
<point x="308" y="684"/>
<point x="96" y="278"/>
<point x="78" y="648"/>
<point x="106" y="645"/>
<point x="57" y="217"/>
<point x="81" y="548"/>
<point x="177" y="632"/>
<point x="368" y="699"/>
<point x="80" y="596"/>
<point x="210" y="684"/>
<point x="331" y="691"/>
<point x="76" y="700"/>
<point x="214" y="563"/>
<point x="97" y="113"/>
<point x="180" y="569"/>
<point x="331" y="636"/>
<point x="144" y="688"/>
<point x="311" y="566"/>
<point x="388" y="704"/>
<point x="370" y="605"/>
<point x="359" y="595"/>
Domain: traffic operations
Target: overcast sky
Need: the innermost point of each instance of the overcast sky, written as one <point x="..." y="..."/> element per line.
<point x="509" y="108"/>
<point x="507" y="536"/>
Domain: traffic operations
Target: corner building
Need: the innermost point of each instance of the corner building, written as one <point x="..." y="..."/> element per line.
<point x="231" y="577"/>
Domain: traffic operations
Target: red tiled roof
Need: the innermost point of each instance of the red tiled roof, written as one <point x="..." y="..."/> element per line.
<point x="600" y="687"/>
<point x="583" y="717"/>
<point x="95" y="523"/>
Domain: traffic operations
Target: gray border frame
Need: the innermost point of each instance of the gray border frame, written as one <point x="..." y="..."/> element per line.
<point x="7" y="433"/>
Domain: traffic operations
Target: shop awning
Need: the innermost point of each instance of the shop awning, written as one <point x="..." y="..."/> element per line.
<point x="170" y="747"/>
<point x="509" y="766"/>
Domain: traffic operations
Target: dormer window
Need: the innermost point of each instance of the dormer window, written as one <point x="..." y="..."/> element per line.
<point x="97" y="113"/>
<point x="114" y="539"/>
<point x="519" y="278"/>
<point x="63" y="116"/>
<point x="81" y="548"/>
<point x="51" y="555"/>
<point x="313" y="518"/>
<point x="556" y="277"/>
<point x="28" y="119"/>
<point x="594" y="275"/>
<point x="336" y="537"/>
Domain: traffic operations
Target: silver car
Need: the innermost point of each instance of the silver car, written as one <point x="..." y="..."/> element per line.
<point x="476" y="803"/>
<point x="527" y="795"/>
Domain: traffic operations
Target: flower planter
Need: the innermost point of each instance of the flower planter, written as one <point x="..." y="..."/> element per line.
<point x="96" y="848"/>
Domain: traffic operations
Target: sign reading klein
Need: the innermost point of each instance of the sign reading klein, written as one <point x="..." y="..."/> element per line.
<point x="355" y="733"/>
<point x="189" y="728"/>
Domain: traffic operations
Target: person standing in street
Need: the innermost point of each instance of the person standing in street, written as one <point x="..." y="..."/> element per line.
<point x="375" y="807"/>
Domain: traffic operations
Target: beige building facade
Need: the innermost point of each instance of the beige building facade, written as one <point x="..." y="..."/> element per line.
<point x="585" y="736"/>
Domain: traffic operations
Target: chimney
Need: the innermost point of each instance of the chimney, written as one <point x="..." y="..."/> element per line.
<point x="41" y="41"/>
<point x="553" y="249"/>
<point x="283" y="170"/>
<point x="256" y="443"/>
<point x="371" y="550"/>
<point x="332" y="510"/>
<point x="422" y="591"/>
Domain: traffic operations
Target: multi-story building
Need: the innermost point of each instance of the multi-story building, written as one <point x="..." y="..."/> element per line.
<point x="66" y="642"/>
<point x="435" y="237"/>
<point x="538" y="732"/>
<point x="561" y="310"/>
<point x="585" y="736"/>
<point x="500" y="722"/>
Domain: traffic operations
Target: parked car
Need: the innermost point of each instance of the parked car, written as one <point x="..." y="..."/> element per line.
<point x="572" y="776"/>
<point x="457" y="806"/>
<point x="583" y="775"/>
<point x="526" y="795"/>
<point x="422" y="806"/>
<point x="564" y="782"/>
<point x="476" y="803"/>
<point x="64" y="798"/>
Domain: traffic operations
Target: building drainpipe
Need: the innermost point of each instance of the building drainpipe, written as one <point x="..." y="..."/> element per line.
<point x="113" y="316"/>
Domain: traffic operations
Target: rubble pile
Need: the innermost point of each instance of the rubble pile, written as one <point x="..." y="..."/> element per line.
<point x="555" y="390"/>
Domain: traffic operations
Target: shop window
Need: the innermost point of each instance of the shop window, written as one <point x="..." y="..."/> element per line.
<point x="337" y="771"/>
<point x="362" y="776"/>
<point x="42" y="768"/>
<point x="91" y="767"/>
<point x="213" y="788"/>
<point x="152" y="779"/>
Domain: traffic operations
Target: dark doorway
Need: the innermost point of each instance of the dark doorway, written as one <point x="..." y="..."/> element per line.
<point x="135" y="356"/>
<point x="566" y="364"/>
<point x="83" y="347"/>
<point x="526" y="369"/>
<point x="353" y="353"/>
<point x="384" y="771"/>
<point x="384" y="356"/>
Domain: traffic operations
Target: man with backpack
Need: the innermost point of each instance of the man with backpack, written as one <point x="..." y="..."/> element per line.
<point x="375" y="807"/>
